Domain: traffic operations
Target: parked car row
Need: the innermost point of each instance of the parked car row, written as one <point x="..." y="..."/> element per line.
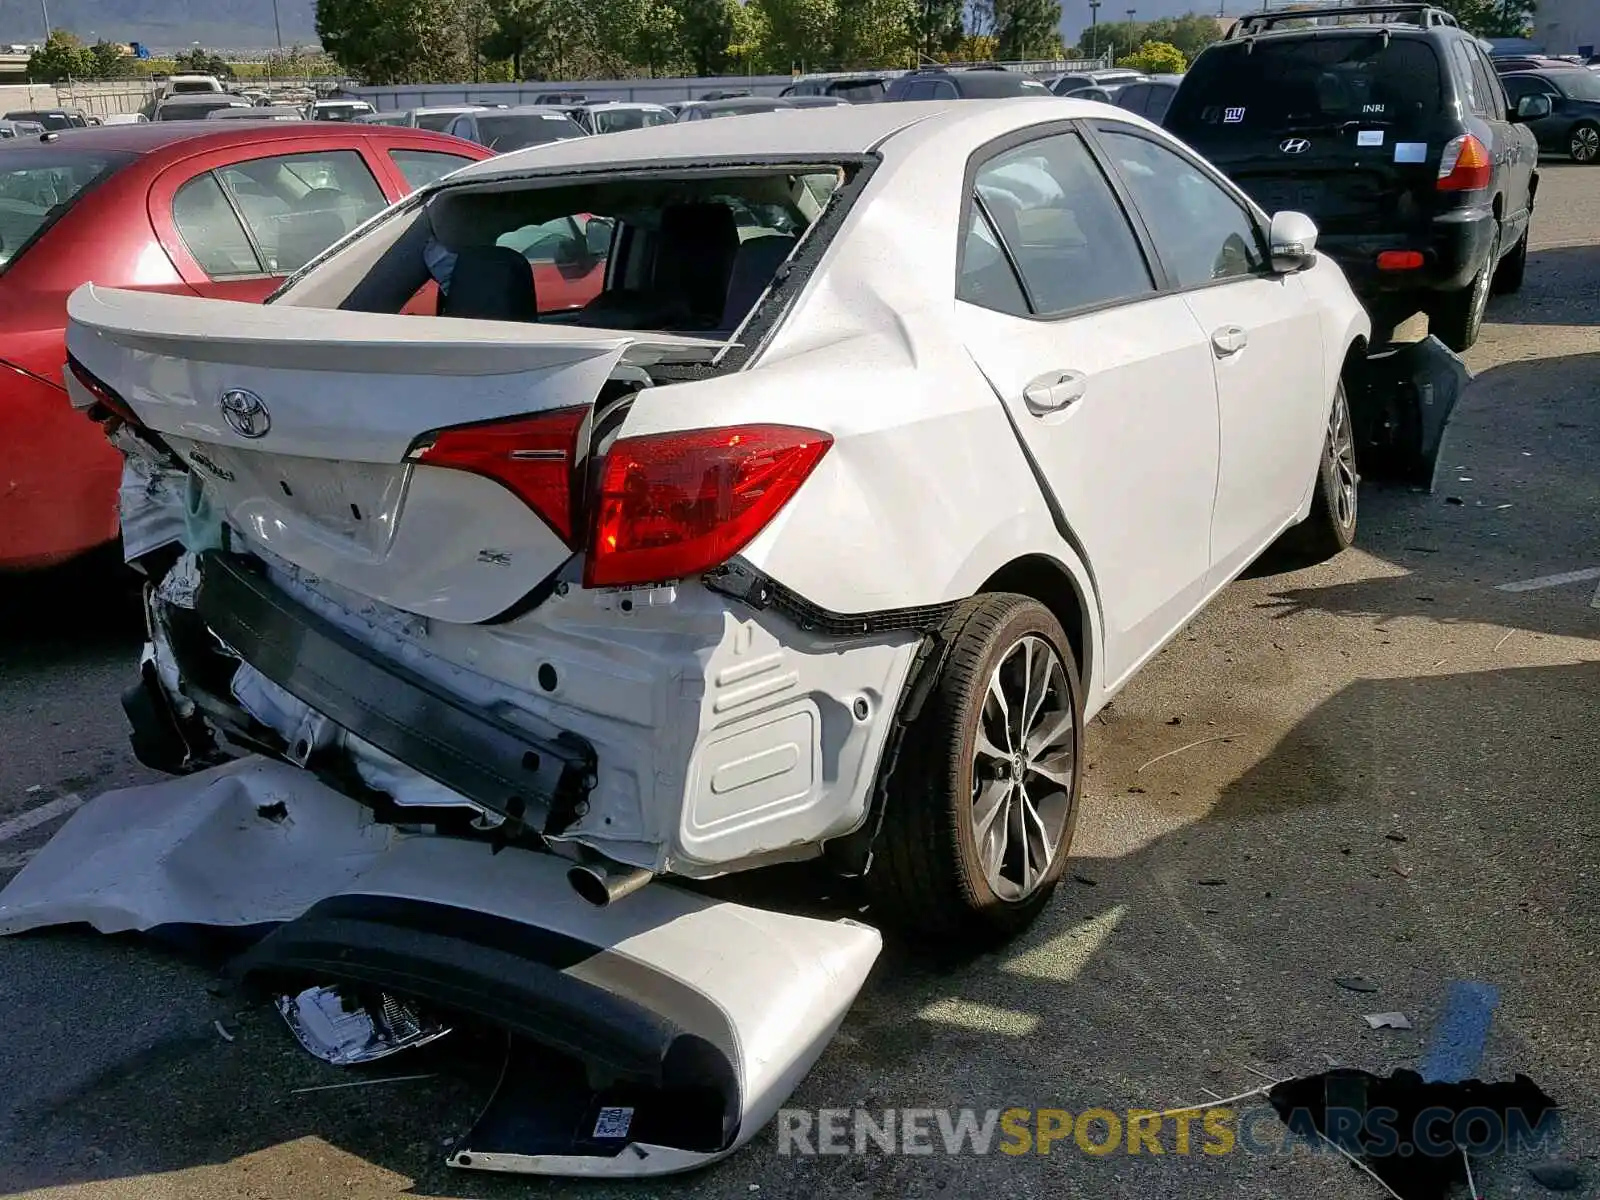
<point x="194" y="208"/>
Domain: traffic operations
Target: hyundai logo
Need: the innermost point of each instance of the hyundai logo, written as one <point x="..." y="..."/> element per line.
<point x="245" y="413"/>
<point x="1294" y="145"/>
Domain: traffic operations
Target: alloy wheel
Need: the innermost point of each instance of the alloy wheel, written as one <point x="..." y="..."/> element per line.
<point x="1022" y="768"/>
<point x="1585" y="144"/>
<point x="1342" y="449"/>
<point x="1480" y="289"/>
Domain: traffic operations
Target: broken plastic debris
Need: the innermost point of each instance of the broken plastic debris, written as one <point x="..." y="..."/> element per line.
<point x="335" y="1031"/>
<point x="222" y="1031"/>
<point x="1557" y="1176"/>
<point x="1388" y="1020"/>
<point x="1355" y="983"/>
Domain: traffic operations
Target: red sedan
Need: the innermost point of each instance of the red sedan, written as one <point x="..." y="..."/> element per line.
<point x="224" y="209"/>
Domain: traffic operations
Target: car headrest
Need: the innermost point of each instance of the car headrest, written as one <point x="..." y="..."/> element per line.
<point x="695" y="256"/>
<point x="490" y="283"/>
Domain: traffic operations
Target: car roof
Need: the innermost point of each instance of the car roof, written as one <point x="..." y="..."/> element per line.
<point x="735" y="103"/>
<point x="597" y="105"/>
<point x="193" y="137"/>
<point x="846" y="131"/>
<point x="551" y="111"/>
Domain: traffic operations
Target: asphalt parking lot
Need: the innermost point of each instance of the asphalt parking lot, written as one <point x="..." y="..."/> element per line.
<point x="1384" y="767"/>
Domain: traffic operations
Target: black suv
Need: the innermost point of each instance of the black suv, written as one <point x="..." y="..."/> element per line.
<point x="1390" y="130"/>
<point x="975" y="83"/>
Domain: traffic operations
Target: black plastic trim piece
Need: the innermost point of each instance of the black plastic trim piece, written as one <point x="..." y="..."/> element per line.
<point x="501" y="971"/>
<point x="491" y="762"/>
<point x="741" y="581"/>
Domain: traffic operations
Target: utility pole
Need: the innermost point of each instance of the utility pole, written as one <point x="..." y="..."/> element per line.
<point x="45" y="9"/>
<point x="277" y="28"/>
<point x="1094" y="20"/>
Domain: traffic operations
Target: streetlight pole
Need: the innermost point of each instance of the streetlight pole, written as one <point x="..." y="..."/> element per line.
<point x="277" y="28"/>
<point x="1094" y="20"/>
<point x="45" y="9"/>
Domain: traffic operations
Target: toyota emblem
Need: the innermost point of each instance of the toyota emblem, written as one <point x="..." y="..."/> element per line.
<point x="245" y="413"/>
<point x="1294" y="145"/>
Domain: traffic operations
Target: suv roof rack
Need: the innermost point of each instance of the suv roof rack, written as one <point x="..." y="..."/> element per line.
<point x="1424" y="16"/>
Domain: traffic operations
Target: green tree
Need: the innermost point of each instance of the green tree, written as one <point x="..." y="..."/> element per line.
<point x="1026" y="29"/>
<point x="750" y="39"/>
<point x="518" y="33"/>
<point x="199" y="61"/>
<point x="394" y="41"/>
<point x="871" y="33"/>
<point x="798" y="31"/>
<point x="637" y="33"/>
<point x="111" y="60"/>
<point x="1495" y="18"/>
<point x="61" y="57"/>
<point x="705" y="33"/>
<point x="1155" y="58"/>
<point x="1124" y="37"/>
<point x="937" y="26"/>
<point x="1191" y="33"/>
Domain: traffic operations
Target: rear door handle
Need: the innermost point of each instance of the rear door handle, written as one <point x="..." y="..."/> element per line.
<point x="1229" y="340"/>
<point x="1054" y="391"/>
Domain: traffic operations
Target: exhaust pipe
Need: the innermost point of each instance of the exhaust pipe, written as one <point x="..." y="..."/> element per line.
<point x="602" y="883"/>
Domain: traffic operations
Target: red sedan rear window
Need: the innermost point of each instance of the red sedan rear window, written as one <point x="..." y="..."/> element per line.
<point x="38" y="187"/>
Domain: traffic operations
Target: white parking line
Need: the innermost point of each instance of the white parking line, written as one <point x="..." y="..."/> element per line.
<point x="1554" y="581"/>
<point x="43" y="815"/>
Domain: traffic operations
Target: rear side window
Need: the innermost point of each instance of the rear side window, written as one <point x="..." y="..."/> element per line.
<point x="38" y="187"/>
<point x="1307" y="83"/>
<point x="422" y="167"/>
<point x="1057" y="215"/>
<point x="212" y="231"/>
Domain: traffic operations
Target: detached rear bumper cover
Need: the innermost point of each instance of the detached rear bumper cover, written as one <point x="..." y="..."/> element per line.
<point x="669" y="1002"/>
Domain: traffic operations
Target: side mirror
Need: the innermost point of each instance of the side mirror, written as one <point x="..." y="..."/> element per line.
<point x="1293" y="240"/>
<point x="1531" y="108"/>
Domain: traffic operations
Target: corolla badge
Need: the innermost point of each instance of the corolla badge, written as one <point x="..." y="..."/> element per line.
<point x="1294" y="145"/>
<point x="245" y="413"/>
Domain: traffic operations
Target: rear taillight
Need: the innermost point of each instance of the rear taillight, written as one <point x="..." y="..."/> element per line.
<point x="1400" y="260"/>
<point x="1465" y="165"/>
<point x="672" y="505"/>
<point x="107" y="404"/>
<point x="534" y="457"/>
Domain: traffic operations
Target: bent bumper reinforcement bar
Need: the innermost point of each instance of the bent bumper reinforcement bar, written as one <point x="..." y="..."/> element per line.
<point x="508" y="770"/>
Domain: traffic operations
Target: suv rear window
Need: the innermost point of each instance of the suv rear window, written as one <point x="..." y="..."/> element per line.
<point x="37" y="187"/>
<point x="1308" y="83"/>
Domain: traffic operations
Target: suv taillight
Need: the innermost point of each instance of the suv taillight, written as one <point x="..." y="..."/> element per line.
<point x="1465" y="165"/>
<point x="672" y="505"/>
<point x="534" y="457"/>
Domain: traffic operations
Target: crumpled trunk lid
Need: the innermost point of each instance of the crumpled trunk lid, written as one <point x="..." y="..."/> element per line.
<point x="302" y="423"/>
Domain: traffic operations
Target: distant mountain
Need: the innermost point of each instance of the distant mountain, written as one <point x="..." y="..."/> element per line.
<point x="165" y="24"/>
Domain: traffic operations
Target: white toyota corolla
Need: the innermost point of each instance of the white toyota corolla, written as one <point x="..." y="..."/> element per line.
<point x="897" y="439"/>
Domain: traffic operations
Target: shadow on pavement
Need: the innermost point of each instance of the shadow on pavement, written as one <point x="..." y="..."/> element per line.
<point x="89" y="604"/>
<point x="1558" y="290"/>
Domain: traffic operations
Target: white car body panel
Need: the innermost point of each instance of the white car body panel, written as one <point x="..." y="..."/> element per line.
<point x="204" y="851"/>
<point x="937" y="477"/>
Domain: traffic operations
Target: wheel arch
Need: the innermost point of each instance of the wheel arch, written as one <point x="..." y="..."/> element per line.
<point x="1048" y="581"/>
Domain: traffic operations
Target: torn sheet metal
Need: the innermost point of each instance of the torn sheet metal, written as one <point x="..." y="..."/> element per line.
<point x="700" y="1015"/>
<point x="345" y="1033"/>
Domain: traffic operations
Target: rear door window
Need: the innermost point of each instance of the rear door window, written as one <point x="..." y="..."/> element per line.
<point x="297" y="205"/>
<point x="1057" y="215"/>
<point x="1305" y="84"/>
<point x="1472" y="89"/>
<point x="211" y="229"/>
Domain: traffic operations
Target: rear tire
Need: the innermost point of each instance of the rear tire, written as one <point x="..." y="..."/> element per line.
<point x="1457" y="317"/>
<point x="1508" y="276"/>
<point x="1583" y="143"/>
<point x="981" y="807"/>
<point x="1330" y="526"/>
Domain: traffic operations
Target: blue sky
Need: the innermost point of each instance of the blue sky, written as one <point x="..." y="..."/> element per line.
<point x="1075" y="13"/>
